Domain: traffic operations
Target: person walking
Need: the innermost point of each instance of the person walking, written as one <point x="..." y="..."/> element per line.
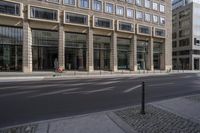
<point x="56" y="64"/>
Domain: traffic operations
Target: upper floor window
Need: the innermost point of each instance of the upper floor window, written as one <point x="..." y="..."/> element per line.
<point x="70" y="2"/>
<point x="144" y="29"/>
<point x="54" y="1"/>
<point x="97" y="5"/>
<point x="10" y="8"/>
<point x="109" y="8"/>
<point x="103" y="23"/>
<point x="76" y="18"/>
<point x="130" y="1"/>
<point x="147" y="17"/>
<point x="155" y="19"/>
<point x="129" y="13"/>
<point x="120" y="10"/>
<point x="159" y="32"/>
<point x="43" y="13"/>
<point x="155" y="6"/>
<point x="138" y="2"/>
<point x="84" y="3"/>
<point x="147" y="4"/>
<point x="162" y="8"/>
<point x="139" y="15"/>
<point x="126" y="26"/>
<point x="162" y="20"/>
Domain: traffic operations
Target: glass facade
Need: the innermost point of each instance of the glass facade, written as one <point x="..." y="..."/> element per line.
<point x="11" y="41"/>
<point x="44" y="50"/>
<point x="157" y="52"/>
<point x="75" y="51"/>
<point x="42" y="13"/>
<point x="123" y="53"/>
<point x="102" y="52"/>
<point x="142" y="47"/>
<point x="9" y="8"/>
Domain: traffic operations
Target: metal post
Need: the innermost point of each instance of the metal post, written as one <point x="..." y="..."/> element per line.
<point x="143" y="99"/>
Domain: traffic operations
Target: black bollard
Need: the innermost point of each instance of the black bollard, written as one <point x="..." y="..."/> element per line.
<point x="143" y="99"/>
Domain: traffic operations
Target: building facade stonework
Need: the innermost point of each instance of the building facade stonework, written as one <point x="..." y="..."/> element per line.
<point x="186" y="35"/>
<point x="85" y="35"/>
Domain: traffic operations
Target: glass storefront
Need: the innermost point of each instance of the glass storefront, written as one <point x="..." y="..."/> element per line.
<point x="102" y="52"/>
<point x="142" y="49"/>
<point x="11" y="41"/>
<point x="157" y="52"/>
<point x="44" y="49"/>
<point x="75" y="51"/>
<point x="123" y="53"/>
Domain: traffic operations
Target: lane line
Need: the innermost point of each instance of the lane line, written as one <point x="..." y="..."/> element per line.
<point x="106" y="83"/>
<point x="55" y="92"/>
<point x="131" y="89"/>
<point x="16" y="93"/>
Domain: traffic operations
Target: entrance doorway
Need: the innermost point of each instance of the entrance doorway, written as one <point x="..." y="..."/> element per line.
<point x="196" y="64"/>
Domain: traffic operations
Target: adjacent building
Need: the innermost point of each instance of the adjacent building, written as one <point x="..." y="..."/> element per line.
<point x="85" y="35"/>
<point x="186" y="34"/>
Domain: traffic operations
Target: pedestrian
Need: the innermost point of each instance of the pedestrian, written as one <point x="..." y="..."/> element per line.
<point x="56" y="64"/>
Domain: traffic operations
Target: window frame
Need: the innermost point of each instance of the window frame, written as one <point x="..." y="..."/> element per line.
<point x="101" y="6"/>
<point x="113" y="12"/>
<point x="141" y="19"/>
<point x="53" y="2"/>
<point x="127" y="12"/>
<point x="154" y="32"/>
<point x="118" y="22"/>
<point x="88" y="16"/>
<point x="43" y="20"/>
<point x="75" y="3"/>
<point x="117" y="5"/>
<point x="93" y="24"/>
<point x="89" y="5"/>
<point x="144" y="33"/>
<point x="14" y="16"/>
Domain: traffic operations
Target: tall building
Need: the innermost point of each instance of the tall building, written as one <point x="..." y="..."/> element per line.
<point x="186" y="34"/>
<point x="85" y="35"/>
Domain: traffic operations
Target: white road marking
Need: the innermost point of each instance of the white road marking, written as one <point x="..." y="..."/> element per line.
<point x="17" y="79"/>
<point x="131" y="89"/>
<point x="16" y="93"/>
<point x="89" y="92"/>
<point x="162" y="84"/>
<point x="106" y="83"/>
<point x="55" y="92"/>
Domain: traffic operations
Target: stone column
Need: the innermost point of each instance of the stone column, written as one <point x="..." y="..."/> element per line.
<point x="150" y="65"/>
<point x="27" y="47"/>
<point x="162" y="57"/>
<point x="101" y="57"/>
<point x="90" y="51"/>
<point x="133" y="54"/>
<point x="113" y="53"/>
<point x="61" y="47"/>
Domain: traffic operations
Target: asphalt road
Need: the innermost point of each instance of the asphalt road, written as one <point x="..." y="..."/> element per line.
<point x="29" y="101"/>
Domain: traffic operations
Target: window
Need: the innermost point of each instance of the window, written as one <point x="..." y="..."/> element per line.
<point x="184" y="33"/>
<point x="147" y="17"/>
<point x="155" y="19"/>
<point x="130" y="1"/>
<point x="162" y="8"/>
<point x="174" y="44"/>
<point x="129" y="13"/>
<point x="84" y="3"/>
<point x="159" y="32"/>
<point x="155" y="6"/>
<point x="42" y="13"/>
<point x="104" y="23"/>
<point x="126" y="26"/>
<point x="97" y="5"/>
<point x="54" y="1"/>
<point x="109" y="8"/>
<point x="139" y="15"/>
<point x="76" y="18"/>
<point x="138" y="2"/>
<point x="162" y="21"/>
<point x="144" y="29"/>
<point x="184" y="42"/>
<point x="147" y="4"/>
<point x="120" y="10"/>
<point x="70" y="2"/>
<point x="9" y="8"/>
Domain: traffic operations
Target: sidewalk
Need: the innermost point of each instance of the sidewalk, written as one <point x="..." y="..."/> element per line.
<point x="179" y="115"/>
<point x="19" y="76"/>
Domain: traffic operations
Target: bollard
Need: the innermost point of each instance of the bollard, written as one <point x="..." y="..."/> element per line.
<point x="143" y="99"/>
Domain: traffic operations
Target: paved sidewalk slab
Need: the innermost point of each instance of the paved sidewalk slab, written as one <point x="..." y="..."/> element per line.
<point x="185" y="107"/>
